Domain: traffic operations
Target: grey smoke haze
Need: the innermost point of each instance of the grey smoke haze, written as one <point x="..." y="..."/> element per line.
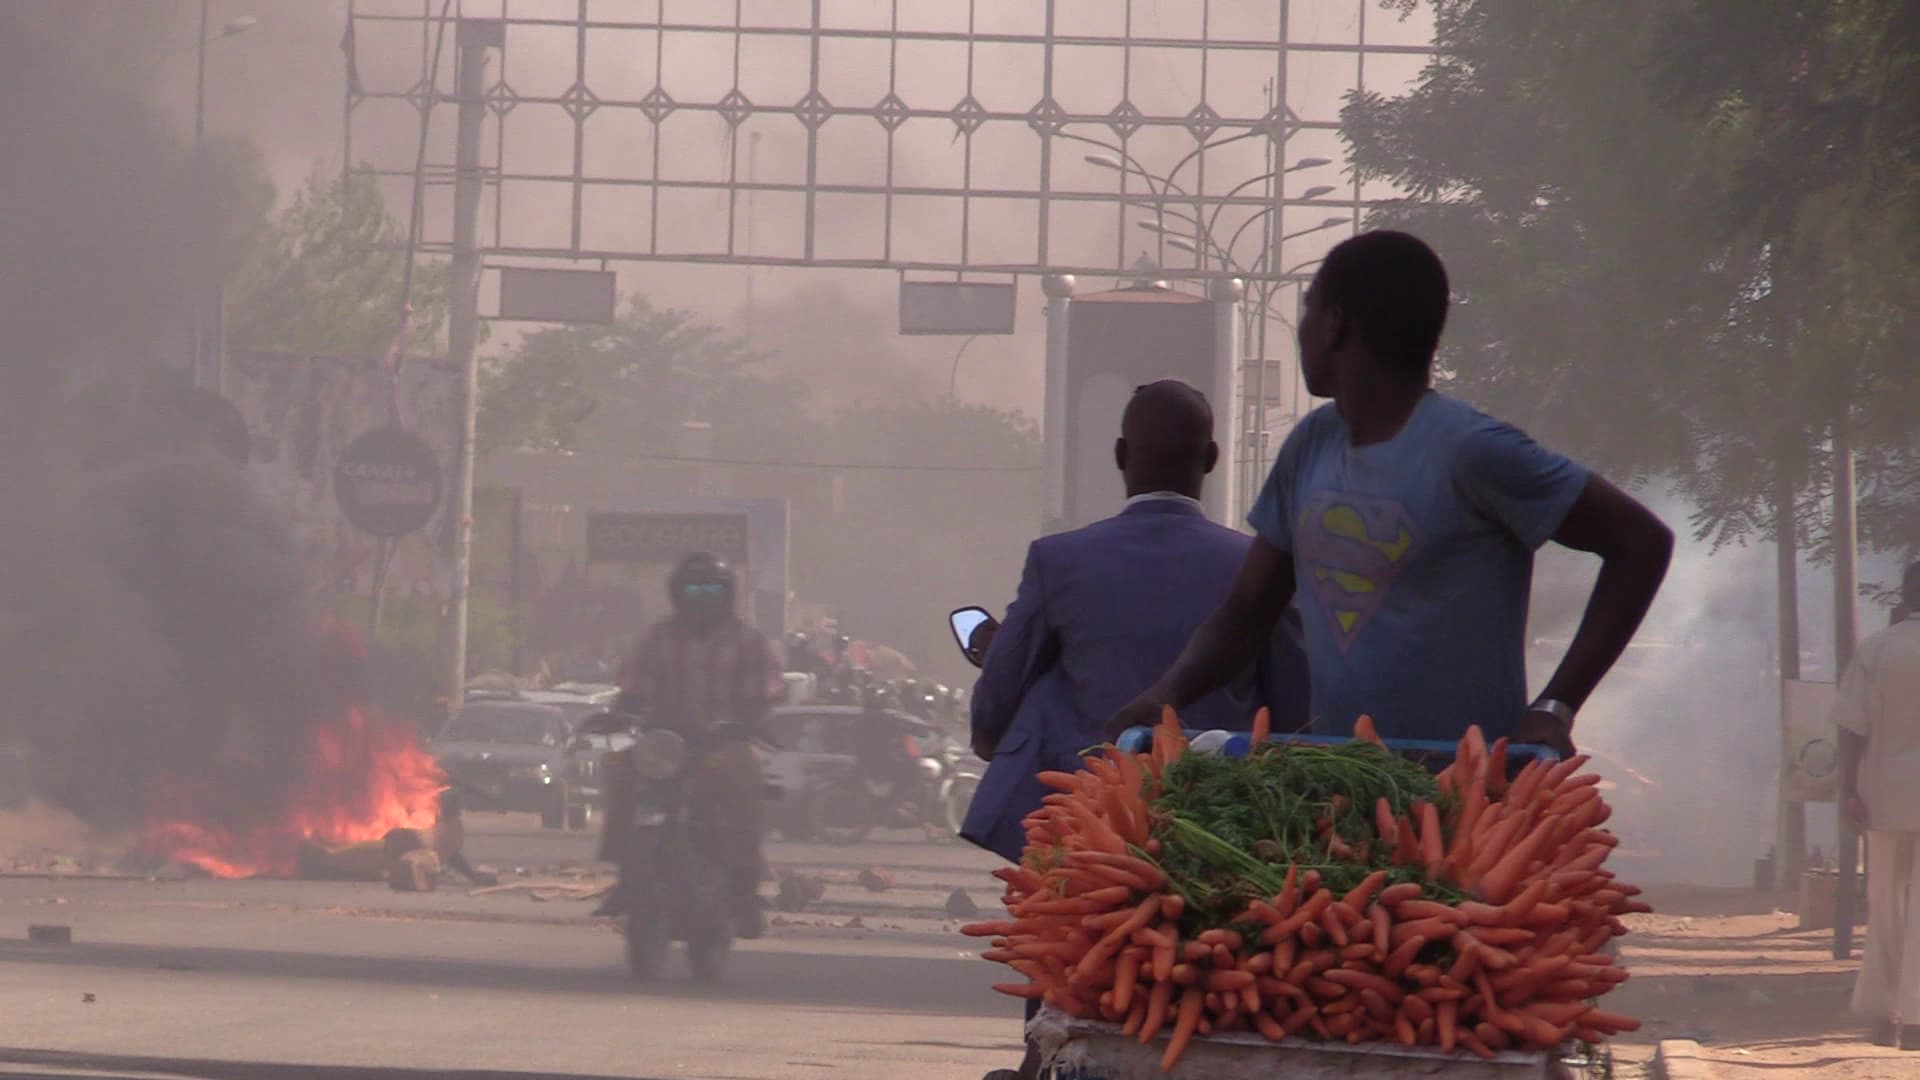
<point x="150" y="616"/>
<point x="1694" y="706"/>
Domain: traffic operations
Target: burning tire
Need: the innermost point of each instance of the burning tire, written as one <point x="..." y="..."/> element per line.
<point x="647" y="942"/>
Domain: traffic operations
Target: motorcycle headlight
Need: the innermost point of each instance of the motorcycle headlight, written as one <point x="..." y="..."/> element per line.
<point x="528" y="772"/>
<point x="659" y="755"/>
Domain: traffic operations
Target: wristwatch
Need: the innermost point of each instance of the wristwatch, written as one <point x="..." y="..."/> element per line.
<point x="1559" y="710"/>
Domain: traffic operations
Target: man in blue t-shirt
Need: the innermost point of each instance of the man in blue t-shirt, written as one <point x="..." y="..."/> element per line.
<point x="1403" y="523"/>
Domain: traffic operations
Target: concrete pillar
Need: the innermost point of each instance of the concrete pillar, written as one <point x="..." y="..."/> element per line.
<point x="1222" y="494"/>
<point x="1053" y="428"/>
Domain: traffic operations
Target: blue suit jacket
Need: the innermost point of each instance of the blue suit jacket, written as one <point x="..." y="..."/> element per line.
<point x="1101" y="614"/>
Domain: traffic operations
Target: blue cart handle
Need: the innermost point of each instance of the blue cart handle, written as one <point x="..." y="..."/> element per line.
<point x="1138" y="739"/>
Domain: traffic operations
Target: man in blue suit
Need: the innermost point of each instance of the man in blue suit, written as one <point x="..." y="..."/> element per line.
<point x="1101" y="609"/>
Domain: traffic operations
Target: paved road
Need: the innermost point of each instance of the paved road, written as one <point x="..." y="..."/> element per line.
<point x="175" y="977"/>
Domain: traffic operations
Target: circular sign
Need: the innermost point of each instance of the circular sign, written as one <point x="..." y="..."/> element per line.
<point x="387" y="482"/>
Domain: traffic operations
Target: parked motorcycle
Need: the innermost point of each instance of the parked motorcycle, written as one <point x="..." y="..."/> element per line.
<point x="676" y="886"/>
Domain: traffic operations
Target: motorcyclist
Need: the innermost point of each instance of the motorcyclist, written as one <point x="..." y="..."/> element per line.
<point x="886" y="754"/>
<point x="702" y="666"/>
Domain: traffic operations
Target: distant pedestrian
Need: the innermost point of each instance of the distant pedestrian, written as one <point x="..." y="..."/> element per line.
<point x="1878" y="714"/>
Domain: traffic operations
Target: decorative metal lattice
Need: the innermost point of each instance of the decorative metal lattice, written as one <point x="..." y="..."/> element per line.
<point x="958" y="136"/>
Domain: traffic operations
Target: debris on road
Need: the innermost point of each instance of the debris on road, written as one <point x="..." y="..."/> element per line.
<point x="961" y="906"/>
<point x="50" y="934"/>
<point x="797" y="891"/>
<point x="414" y="871"/>
<point x="875" y="879"/>
<point x="548" y="890"/>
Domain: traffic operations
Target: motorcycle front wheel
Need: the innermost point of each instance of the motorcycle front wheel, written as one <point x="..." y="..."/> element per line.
<point x="959" y="797"/>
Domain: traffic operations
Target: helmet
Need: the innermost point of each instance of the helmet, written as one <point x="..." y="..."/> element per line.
<point x="702" y="589"/>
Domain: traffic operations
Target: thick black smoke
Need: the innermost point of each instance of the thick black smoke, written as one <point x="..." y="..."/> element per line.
<point x="151" y="616"/>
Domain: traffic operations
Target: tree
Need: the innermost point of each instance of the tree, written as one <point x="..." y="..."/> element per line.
<point x="329" y="277"/>
<point x="630" y="387"/>
<point x="1663" y="271"/>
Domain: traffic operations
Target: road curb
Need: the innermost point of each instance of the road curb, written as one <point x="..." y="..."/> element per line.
<point x="1682" y="1059"/>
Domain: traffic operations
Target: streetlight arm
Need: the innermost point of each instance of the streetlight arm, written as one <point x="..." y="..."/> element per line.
<point x="1128" y="163"/>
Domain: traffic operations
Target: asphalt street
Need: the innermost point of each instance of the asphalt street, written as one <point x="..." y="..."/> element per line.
<point x="245" y="979"/>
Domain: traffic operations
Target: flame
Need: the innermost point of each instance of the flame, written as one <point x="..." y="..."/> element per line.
<point x="364" y="775"/>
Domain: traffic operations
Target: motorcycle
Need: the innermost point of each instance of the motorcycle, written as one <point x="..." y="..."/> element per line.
<point x="676" y="887"/>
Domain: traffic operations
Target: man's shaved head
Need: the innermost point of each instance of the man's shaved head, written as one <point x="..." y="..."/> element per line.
<point x="1166" y="439"/>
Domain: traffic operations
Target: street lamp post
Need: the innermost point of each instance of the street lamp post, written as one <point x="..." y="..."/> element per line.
<point x="207" y="372"/>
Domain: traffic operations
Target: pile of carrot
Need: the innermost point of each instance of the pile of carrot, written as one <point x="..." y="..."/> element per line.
<point x="1098" y="929"/>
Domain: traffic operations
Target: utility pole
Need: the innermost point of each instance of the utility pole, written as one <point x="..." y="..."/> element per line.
<point x="473" y="37"/>
<point x="200" y="365"/>
<point x="1846" y="631"/>
<point x="1790" y="842"/>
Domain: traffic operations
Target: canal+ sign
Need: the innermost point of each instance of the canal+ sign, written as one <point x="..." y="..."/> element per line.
<point x="387" y="483"/>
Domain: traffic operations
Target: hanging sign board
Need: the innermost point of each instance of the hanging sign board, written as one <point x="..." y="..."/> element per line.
<point x="387" y="482"/>
<point x="665" y="538"/>
<point x="956" y="307"/>
<point x="532" y="294"/>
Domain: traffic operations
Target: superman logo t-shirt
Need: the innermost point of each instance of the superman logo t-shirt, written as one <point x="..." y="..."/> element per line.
<point x="1413" y="559"/>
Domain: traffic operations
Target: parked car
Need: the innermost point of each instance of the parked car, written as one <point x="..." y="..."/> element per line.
<point x="511" y="751"/>
<point x="816" y="757"/>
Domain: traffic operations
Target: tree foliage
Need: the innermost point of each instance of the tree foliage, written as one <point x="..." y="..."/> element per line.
<point x="329" y="277"/>
<point x="1682" y="231"/>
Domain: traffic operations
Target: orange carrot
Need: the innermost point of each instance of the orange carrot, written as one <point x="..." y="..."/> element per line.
<point x="1158" y="1000"/>
<point x="1126" y="974"/>
<point x="1385" y="824"/>
<point x="1394" y="895"/>
<point x="1229" y="980"/>
<point x="1309" y="910"/>
<point x="1365" y="980"/>
<point x="1497" y="768"/>
<point x="1431" y="850"/>
<point x="1184" y="1026"/>
<point x="1362" y="894"/>
<point x="1446" y="1017"/>
<point x="1363" y="731"/>
<point x="1382" y="933"/>
<point x="1402" y="957"/>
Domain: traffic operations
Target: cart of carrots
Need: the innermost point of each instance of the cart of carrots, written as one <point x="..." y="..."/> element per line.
<point x="1334" y="893"/>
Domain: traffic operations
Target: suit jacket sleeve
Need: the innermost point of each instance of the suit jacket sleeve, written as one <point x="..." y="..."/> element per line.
<point x="1019" y="655"/>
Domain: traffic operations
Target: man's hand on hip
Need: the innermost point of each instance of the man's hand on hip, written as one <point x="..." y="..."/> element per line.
<point x="1542" y="728"/>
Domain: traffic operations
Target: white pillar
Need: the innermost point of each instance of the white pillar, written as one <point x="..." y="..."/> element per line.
<point x="1053" y="428"/>
<point x="1222" y="494"/>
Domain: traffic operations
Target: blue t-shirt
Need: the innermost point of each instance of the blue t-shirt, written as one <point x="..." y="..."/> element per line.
<point x="1414" y="564"/>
